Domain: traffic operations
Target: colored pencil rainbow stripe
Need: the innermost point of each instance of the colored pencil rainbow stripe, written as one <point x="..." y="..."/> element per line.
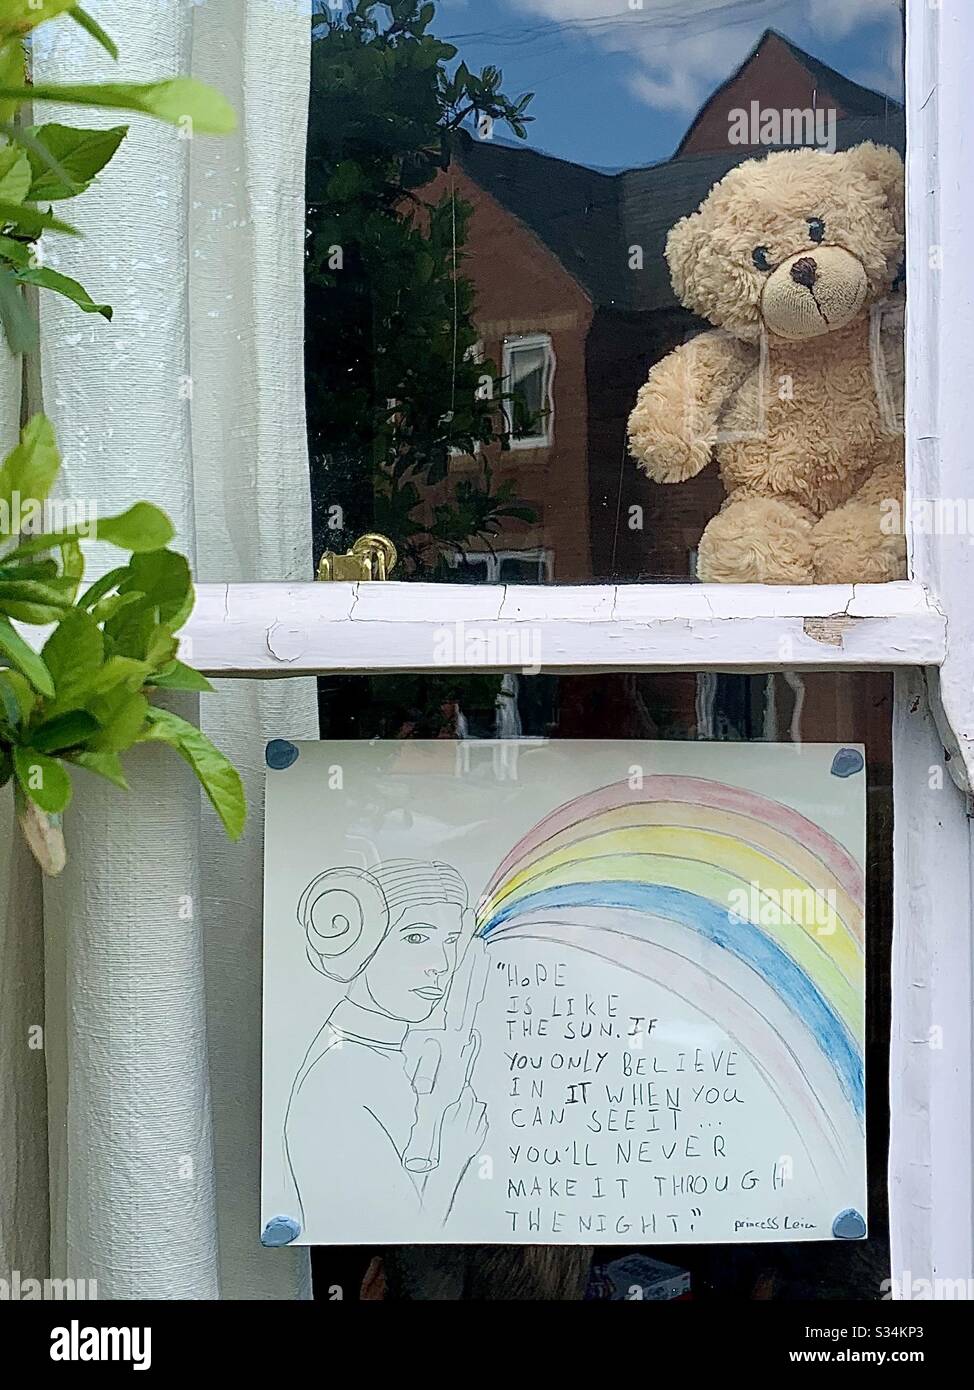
<point x="730" y="900"/>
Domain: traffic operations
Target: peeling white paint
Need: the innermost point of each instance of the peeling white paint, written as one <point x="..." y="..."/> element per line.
<point x="291" y="629"/>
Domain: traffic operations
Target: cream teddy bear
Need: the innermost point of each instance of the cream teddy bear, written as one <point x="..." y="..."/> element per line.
<point x="797" y="392"/>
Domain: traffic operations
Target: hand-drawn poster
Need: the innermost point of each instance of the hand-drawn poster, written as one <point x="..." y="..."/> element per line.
<point x="563" y="992"/>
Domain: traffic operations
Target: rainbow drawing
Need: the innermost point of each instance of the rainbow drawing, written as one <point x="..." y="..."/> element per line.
<point x="730" y="900"/>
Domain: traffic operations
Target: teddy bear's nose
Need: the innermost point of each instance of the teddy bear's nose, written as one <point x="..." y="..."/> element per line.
<point x="805" y="272"/>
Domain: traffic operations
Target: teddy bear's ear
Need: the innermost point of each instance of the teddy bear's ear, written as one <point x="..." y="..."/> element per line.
<point x="885" y="166"/>
<point x="682" y="248"/>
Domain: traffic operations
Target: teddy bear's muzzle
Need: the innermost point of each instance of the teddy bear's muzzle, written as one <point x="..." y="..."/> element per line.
<point x="814" y="292"/>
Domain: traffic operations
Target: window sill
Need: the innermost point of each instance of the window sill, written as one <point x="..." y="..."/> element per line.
<point x="274" y="630"/>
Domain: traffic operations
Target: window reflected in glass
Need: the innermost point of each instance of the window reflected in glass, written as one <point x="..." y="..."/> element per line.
<point x="490" y="193"/>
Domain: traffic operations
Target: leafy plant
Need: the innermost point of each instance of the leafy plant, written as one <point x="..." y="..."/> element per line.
<point x="83" y="699"/>
<point x="395" y="380"/>
<point x="46" y="164"/>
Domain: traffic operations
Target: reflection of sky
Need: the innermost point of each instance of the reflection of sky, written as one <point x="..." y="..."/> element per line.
<point x="617" y="86"/>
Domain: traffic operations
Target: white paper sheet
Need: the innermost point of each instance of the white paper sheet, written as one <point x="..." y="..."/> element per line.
<point x="580" y="992"/>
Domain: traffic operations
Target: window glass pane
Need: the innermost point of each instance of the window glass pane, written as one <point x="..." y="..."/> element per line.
<point x="527" y="568"/>
<point x="493" y="278"/>
<point x="781" y="707"/>
<point x="529" y="412"/>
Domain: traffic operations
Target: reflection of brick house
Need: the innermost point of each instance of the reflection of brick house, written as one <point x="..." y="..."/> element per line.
<point x="573" y="257"/>
<point x="525" y="293"/>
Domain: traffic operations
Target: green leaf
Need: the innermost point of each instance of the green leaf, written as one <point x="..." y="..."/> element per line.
<point x="175" y="99"/>
<point x="19" y="327"/>
<point x="72" y="566"/>
<point x="20" y="16"/>
<point x="78" y="154"/>
<point x="161" y="647"/>
<point x="63" y="284"/>
<point x="128" y="632"/>
<point x="18" y="253"/>
<point x="39" y="614"/>
<point x="15" y="174"/>
<point x="30" y="469"/>
<point x="92" y="27"/>
<point x="30" y="221"/>
<point x="218" y="777"/>
<point x="27" y="140"/>
<point x="103" y="586"/>
<point x="73" y="655"/>
<point x="47" y="540"/>
<point x="13" y="71"/>
<point x="25" y="659"/>
<point x="64" y="731"/>
<point x="42" y="779"/>
<point x="10" y="698"/>
<point x="122" y="715"/>
<point x="107" y="607"/>
<point x="32" y="591"/>
<point x="142" y="528"/>
<point x="24" y="693"/>
<point x="120" y="671"/>
<point x="45" y="569"/>
<point x="164" y="577"/>
<point x="177" y="676"/>
<point x="104" y="764"/>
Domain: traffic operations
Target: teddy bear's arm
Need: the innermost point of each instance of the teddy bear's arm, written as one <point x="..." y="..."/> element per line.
<point x="674" y="426"/>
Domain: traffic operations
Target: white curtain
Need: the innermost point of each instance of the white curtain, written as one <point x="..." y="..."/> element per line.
<point x="150" y="949"/>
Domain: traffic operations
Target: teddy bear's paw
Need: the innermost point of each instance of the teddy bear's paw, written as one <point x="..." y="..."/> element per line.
<point x="757" y="540"/>
<point x="657" y="445"/>
<point x="849" y="546"/>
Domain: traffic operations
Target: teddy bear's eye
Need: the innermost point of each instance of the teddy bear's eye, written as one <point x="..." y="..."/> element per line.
<point x="761" y="258"/>
<point x="816" y="229"/>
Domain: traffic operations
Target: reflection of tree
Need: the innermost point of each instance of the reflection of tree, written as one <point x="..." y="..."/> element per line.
<point x="393" y="379"/>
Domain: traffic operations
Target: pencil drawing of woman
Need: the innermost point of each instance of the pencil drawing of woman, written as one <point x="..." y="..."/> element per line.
<point x="358" y="1128"/>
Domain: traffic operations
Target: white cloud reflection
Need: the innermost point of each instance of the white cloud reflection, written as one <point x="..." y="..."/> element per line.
<point x="682" y="48"/>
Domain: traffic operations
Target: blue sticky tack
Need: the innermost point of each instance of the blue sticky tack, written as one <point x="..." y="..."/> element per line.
<point x="847" y="762"/>
<point x="281" y="754"/>
<point x="280" y="1230"/>
<point x="849" y="1225"/>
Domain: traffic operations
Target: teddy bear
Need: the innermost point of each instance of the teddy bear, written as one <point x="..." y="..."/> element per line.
<point x="797" y="389"/>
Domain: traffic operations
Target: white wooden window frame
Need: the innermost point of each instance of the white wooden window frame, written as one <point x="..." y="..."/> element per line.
<point x="923" y="630"/>
<point x="525" y="342"/>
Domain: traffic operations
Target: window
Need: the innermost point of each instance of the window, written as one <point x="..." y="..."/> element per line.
<point x="529" y="370"/>
<point x="520" y="283"/>
<point x="784" y="707"/>
<point x="607" y="523"/>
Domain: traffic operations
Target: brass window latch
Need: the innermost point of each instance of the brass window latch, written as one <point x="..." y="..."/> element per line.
<point x="371" y="557"/>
